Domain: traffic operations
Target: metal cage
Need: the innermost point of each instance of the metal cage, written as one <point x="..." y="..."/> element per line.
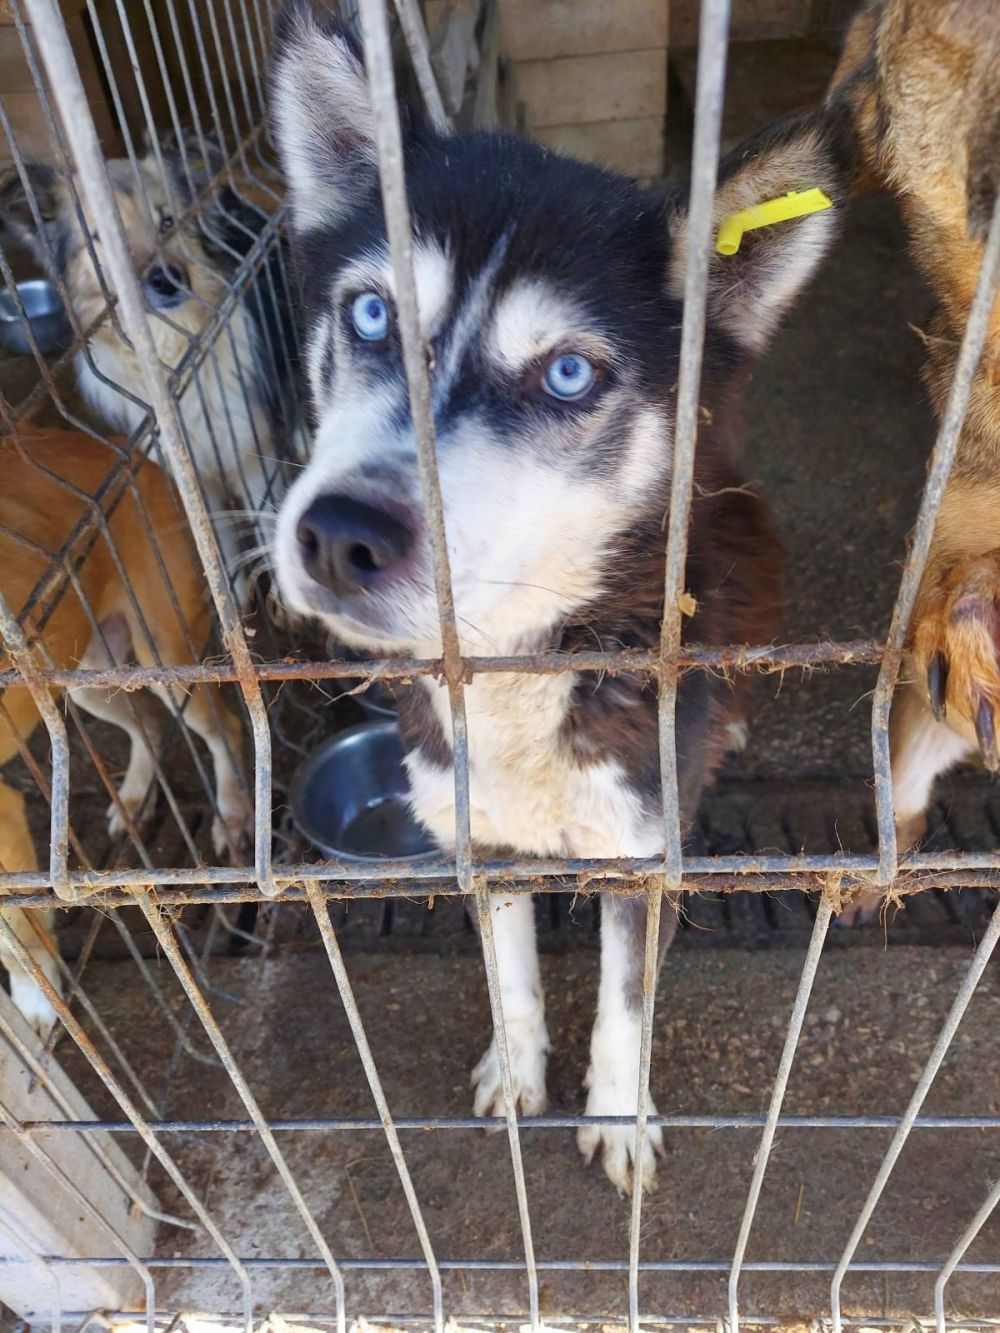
<point x="188" y="78"/>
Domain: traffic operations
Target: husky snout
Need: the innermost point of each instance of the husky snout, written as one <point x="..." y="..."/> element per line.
<point x="350" y="546"/>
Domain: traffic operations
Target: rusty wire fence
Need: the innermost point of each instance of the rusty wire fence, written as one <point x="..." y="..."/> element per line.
<point x="185" y="84"/>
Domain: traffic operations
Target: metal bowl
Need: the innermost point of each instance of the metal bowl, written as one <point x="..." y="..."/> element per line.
<point x="349" y="797"/>
<point x="45" y="312"/>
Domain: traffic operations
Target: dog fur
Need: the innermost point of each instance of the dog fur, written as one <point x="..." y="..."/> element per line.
<point x="554" y="511"/>
<point x="922" y="80"/>
<point x="232" y="406"/>
<point x="160" y="616"/>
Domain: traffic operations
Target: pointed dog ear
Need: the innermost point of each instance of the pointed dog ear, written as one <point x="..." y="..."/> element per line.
<point x="321" y="117"/>
<point x="749" y="291"/>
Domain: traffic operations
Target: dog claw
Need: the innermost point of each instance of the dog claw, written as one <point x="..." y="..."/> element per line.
<point x="937" y="685"/>
<point x="986" y="735"/>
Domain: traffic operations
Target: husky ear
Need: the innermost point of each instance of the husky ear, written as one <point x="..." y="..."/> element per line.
<point x="749" y="291"/>
<point x="321" y="118"/>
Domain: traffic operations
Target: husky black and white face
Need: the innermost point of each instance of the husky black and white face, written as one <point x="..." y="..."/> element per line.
<point x="548" y="301"/>
<point x="552" y="352"/>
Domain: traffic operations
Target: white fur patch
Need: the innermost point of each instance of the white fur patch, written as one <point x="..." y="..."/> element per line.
<point x="319" y="94"/>
<point x="534" y="318"/>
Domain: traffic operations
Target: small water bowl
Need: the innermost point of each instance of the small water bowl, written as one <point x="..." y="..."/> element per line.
<point x="45" y="312"/>
<point x="349" y="797"/>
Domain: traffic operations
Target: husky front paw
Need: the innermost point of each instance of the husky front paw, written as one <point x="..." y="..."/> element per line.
<point x="956" y="645"/>
<point x="528" y="1049"/>
<point x="610" y="1095"/>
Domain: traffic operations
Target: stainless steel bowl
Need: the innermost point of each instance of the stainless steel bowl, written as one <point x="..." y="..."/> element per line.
<point x="45" y="312"/>
<point x="349" y="797"/>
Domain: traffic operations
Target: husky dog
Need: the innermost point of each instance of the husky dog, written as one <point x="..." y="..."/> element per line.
<point x="550" y="301"/>
<point x="231" y="405"/>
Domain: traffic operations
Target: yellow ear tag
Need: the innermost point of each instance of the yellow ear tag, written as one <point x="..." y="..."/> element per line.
<point x="795" y="204"/>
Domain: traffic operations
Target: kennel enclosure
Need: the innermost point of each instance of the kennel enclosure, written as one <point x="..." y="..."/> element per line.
<point x="190" y="79"/>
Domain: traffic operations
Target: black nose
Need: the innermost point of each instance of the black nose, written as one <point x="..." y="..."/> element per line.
<point x="165" y="284"/>
<point x="348" y="545"/>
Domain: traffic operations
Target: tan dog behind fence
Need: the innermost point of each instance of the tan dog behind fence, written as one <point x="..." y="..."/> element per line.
<point x="136" y="590"/>
<point x="922" y="78"/>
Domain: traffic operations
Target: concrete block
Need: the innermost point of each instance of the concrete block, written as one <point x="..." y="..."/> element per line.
<point x="634" y="147"/>
<point x="577" y="90"/>
<point x="534" y="30"/>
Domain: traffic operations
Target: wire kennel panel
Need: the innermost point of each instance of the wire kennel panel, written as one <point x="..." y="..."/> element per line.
<point x="227" y="115"/>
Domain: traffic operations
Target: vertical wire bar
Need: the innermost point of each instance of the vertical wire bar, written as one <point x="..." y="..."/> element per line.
<point x="763" y="1154"/>
<point x="103" y="1070"/>
<point x="712" y="38"/>
<point x="167" y="942"/>
<point x="328" y="935"/>
<point x="654" y="904"/>
<point x="17" y="646"/>
<point x="495" y="989"/>
<point x="955" y="1014"/>
<point x="712" y="46"/>
<point x="382" y="90"/>
<point x="52" y="1168"/>
<point x="942" y="458"/>
<point x="71" y="99"/>
<point x="415" y="34"/>
<point x="955" y="1258"/>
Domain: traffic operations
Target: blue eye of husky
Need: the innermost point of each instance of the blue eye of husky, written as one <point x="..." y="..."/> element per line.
<point x="569" y="377"/>
<point x="370" y="317"/>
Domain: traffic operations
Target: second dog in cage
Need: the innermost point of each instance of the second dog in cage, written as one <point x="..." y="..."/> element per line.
<point x="230" y="406"/>
<point x="923" y="80"/>
<point x="135" y="588"/>
<point x="550" y="297"/>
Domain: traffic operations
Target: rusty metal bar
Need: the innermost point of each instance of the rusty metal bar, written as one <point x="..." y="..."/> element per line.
<point x="336" y="960"/>
<point x="763" y="1154"/>
<point x="942" y="458"/>
<point x="641" y="661"/>
<point x="165" y="938"/>
<point x="654" y="902"/>
<point x="547" y="1121"/>
<point x="741" y="873"/>
<point x="21" y="653"/>
<point x="713" y="35"/>
<point x="961" y="1245"/>
<point x="948" y="1029"/>
<point x="71" y="99"/>
<point x="381" y="86"/>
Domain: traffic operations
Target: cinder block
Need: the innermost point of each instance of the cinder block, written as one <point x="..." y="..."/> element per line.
<point x="581" y="90"/>
<point x="634" y="147"/>
<point x="539" y="31"/>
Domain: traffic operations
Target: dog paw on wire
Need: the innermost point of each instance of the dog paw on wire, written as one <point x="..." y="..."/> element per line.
<point x="956" y="648"/>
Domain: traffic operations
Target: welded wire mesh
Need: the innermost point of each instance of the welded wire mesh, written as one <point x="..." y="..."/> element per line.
<point x="182" y="385"/>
